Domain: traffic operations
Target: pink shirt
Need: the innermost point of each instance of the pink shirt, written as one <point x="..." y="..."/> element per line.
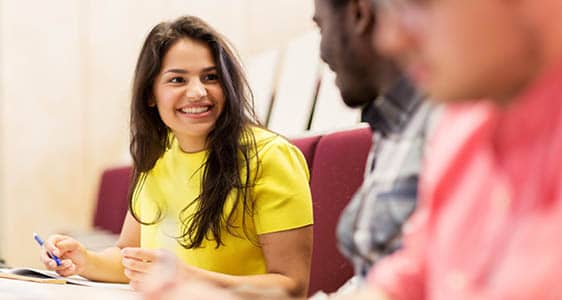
<point x="490" y="222"/>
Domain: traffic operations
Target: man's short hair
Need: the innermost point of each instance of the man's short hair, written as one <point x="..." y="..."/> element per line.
<point x="338" y="3"/>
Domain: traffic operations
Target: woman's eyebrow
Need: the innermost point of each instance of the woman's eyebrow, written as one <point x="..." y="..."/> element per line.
<point x="211" y="68"/>
<point x="183" y="71"/>
<point x="179" y="71"/>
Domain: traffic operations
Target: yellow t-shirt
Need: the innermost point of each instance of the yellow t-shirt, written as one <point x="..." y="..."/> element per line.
<point x="281" y="194"/>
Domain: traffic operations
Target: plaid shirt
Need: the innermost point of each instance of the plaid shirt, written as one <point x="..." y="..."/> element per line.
<point x="370" y="226"/>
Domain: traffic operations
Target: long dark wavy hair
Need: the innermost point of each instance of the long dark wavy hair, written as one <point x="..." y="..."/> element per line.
<point x="231" y="144"/>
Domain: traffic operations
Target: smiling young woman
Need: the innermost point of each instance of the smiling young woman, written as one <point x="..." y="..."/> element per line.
<point x="228" y="198"/>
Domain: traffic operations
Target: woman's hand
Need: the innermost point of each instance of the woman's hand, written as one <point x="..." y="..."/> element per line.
<point x="150" y="269"/>
<point x="203" y="290"/>
<point x="190" y="289"/>
<point x="72" y="253"/>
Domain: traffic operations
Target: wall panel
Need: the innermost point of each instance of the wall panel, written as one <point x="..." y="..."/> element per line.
<point x="42" y="121"/>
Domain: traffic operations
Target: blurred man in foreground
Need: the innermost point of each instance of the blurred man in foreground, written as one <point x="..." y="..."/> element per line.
<point x="491" y="219"/>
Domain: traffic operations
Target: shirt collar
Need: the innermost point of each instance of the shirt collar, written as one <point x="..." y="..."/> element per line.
<point x="389" y="113"/>
<point x="533" y="115"/>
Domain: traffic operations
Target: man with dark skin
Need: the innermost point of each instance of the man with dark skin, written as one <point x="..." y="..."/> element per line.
<point x="370" y="226"/>
<point x="346" y="29"/>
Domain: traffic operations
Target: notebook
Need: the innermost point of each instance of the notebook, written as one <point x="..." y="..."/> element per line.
<point x="30" y="275"/>
<point x="45" y="276"/>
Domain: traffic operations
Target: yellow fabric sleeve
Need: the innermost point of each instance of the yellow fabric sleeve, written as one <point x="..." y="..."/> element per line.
<point x="282" y="194"/>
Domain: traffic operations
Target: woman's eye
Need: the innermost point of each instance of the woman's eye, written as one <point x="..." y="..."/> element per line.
<point x="176" y="80"/>
<point x="210" y="77"/>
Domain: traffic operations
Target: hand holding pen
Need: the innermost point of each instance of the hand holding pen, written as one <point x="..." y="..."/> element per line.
<point x="71" y="253"/>
<point x="39" y="241"/>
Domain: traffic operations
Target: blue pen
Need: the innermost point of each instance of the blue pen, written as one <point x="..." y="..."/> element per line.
<point x="51" y="255"/>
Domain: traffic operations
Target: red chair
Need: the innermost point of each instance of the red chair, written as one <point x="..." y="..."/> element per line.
<point x="307" y="145"/>
<point x="339" y="163"/>
<point x="112" y="204"/>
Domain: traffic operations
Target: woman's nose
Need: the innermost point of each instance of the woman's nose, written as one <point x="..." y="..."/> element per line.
<point x="195" y="90"/>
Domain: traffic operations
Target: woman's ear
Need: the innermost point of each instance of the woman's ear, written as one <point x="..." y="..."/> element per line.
<point x="363" y="16"/>
<point x="151" y="102"/>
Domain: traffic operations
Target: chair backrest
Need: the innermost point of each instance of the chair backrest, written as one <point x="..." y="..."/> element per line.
<point x="337" y="172"/>
<point x="307" y="145"/>
<point x="112" y="201"/>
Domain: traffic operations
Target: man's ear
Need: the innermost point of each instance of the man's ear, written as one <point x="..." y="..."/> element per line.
<point x="363" y="16"/>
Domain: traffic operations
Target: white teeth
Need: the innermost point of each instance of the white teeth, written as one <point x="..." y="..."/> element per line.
<point x="195" y="110"/>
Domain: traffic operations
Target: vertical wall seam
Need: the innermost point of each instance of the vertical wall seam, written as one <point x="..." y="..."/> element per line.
<point x="2" y="135"/>
<point x="84" y="65"/>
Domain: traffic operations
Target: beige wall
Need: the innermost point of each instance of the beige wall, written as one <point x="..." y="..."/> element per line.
<point x="2" y="206"/>
<point x="65" y="75"/>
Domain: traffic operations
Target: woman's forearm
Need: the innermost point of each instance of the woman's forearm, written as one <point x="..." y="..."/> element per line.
<point x="104" y="266"/>
<point x="272" y="281"/>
